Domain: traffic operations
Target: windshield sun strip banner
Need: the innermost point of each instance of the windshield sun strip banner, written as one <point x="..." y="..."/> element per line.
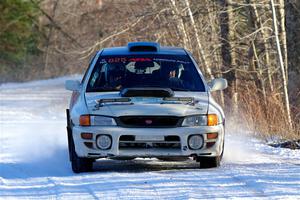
<point x="125" y="59"/>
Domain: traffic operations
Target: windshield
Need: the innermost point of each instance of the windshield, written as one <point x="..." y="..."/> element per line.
<point x="114" y="73"/>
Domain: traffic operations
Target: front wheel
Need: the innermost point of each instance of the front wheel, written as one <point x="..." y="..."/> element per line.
<point x="209" y="162"/>
<point x="79" y="164"/>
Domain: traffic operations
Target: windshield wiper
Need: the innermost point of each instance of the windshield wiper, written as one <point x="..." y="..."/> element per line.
<point x="101" y="90"/>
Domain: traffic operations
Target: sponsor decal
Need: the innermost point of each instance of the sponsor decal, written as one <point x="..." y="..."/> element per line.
<point x="124" y="59"/>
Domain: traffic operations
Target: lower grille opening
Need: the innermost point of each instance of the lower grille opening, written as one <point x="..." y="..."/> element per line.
<point x="127" y="138"/>
<point x="172" y="138"/>
<point x="128" y="142"/>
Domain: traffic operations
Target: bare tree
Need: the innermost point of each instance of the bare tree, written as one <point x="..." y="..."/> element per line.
<point x="283" y="35"/>
<point x="282" y="67"/>
<point x="256" y="17"/>
<point x="201" y="50"/>
<point x="180" y="23"/>
<point x="49" y="36"/>
<point x="228" y="55"/>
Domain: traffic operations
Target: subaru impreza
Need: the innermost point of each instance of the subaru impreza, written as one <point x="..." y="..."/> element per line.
<point x="144" y="100"/>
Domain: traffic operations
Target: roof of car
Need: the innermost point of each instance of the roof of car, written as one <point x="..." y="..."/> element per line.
<point x="128" y="50"/>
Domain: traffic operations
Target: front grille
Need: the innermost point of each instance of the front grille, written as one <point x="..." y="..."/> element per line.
<point x="128" y="142"/>
<point x="149" y="121"/>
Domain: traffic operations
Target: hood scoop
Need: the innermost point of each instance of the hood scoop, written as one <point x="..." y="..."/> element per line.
<point x="146" y="92"/>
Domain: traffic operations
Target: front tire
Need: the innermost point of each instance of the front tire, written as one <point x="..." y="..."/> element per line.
<point x="78" y="164"/>
<point x="209" y="162"/>
<point x="81" y="164"/>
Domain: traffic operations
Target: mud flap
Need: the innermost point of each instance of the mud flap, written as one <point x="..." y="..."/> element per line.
<point x="69" y="134"/>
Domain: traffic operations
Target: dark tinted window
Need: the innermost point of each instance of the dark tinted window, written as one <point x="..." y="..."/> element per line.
<point x="113" y="73"/>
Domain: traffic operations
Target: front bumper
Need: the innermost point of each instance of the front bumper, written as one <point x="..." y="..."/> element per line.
<point x="116" y="132"/>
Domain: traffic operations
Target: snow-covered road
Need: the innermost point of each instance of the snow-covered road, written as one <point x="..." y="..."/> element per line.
<point x="34" y="160"/>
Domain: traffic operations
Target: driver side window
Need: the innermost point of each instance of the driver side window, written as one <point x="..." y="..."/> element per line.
<point x="85" y="74"/>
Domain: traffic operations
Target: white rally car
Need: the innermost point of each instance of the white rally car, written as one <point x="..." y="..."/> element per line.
<point x="144" y="100"/>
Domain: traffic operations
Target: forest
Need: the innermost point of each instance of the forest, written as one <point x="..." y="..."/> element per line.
<point x="254" y="44"/>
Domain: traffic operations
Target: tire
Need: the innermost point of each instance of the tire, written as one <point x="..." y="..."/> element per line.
<point x="209" y="162"/>
<point x="78" y="164"/>
<point x="82" y="164"/>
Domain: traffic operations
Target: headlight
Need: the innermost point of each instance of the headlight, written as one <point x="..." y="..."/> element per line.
<point x="94" y="120"/>
<point x="103" y="121"/>
<point x="198" y="120"/>
<point x="201" y="120"/>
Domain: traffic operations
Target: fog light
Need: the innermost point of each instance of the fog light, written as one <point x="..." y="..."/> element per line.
<point x="195" y="142"/>
<point x="103" y="142"/>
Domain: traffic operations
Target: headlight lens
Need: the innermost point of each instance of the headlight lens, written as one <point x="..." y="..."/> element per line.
<point x="198" y="120"/>
<point x="90" y="120"/>
<point x="102" y="121"/>
<point x="201" y="120"/>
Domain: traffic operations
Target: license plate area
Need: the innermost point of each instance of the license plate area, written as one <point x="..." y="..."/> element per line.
<point x="149" y="138"/>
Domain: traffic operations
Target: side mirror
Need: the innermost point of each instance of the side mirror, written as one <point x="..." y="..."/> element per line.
<point x="73" y="85"/>
<point x="217" y="84"/>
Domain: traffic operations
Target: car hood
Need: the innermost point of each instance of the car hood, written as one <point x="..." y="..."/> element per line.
<point x="147" y="106"/>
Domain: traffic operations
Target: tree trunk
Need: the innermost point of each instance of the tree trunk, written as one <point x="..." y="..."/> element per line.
<point x="215" y="44"/>
<point x="228" y="55"/>
<point x="281" y="64"/>
<point x="180" y="25"/>
<point x="49" y="38"/>
<point x="201" y="50"/>
<point x="283" y="36"/>
<point x="266" y="45"/>
<point x="261" y="83"/>
<point x="255" y="63"/>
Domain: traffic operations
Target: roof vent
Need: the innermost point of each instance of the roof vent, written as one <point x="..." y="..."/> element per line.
<point x="143" y="46"/>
